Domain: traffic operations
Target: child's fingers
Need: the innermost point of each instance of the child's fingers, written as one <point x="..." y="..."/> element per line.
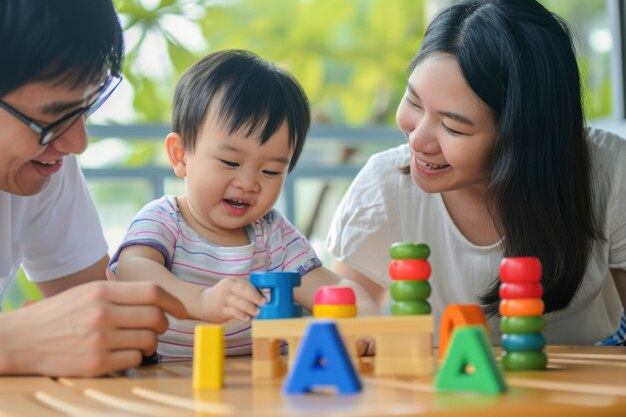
<point x="249" y="292"/>
<point x="243" y="305"/>
<point x="234" y="313"/>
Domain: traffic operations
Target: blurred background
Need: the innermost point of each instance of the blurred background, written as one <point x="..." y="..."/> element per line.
<point x="350" y="57"/>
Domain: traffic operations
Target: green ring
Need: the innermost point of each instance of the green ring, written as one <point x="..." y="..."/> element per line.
<point x="410" y="308"/>
<point x="522" y="325"/>
<point x="408" y="250"/>
<point x="410" y="290"/>
<point x="524" y="361"/>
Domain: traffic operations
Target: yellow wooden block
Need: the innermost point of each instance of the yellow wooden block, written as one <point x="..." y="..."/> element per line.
<point x="336" y="311"/>
<point x="208" y="357"/>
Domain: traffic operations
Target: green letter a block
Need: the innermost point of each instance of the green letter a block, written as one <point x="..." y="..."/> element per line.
<point x="470" y="348"/>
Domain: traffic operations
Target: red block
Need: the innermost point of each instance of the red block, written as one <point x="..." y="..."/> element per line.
<point x="331" y="295"/>
<point x="520" y="269"/>
<point x="510" y="290"/>
<point x="409" y="269"/>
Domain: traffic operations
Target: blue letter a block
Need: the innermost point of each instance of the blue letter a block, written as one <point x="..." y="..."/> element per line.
<point x="322" y="360"/>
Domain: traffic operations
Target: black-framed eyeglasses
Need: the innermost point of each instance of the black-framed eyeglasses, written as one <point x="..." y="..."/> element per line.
<point x="57" y="128"/>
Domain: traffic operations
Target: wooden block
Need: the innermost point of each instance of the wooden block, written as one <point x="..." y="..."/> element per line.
<point x="208" y="357"/>
<point x="265" y="349"/>
<point x="293" y="344"/>
<point x="386" y="325"/>
<point x="390" y="367"/>
<point x="358" y="326"/>
<point x="404" y="355"/>
<point x="279" y="328"/>
<point x="268" y="369"/>
<point x="352" y="347"/>
<point x="407" y="337"/>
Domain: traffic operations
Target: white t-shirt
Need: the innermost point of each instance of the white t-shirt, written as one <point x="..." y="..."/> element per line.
<point x="53" y="233"/>
<point x="383" y="206"/>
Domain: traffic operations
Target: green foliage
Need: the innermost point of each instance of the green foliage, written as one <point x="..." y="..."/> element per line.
<point x="582" y="18"/>
<point x="350" y="56"/>
<point x="18" y="292"/>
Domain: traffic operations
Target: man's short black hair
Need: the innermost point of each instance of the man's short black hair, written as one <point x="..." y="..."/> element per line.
<point x="73" y="42"/>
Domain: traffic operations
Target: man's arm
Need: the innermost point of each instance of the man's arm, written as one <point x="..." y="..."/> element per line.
<point x="95" y="272"/>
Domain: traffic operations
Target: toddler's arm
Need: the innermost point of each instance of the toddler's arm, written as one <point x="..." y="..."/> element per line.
<point x="231" y="298"/>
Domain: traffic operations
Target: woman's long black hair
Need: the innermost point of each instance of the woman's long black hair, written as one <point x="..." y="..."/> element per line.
<point x="519" y="59"/>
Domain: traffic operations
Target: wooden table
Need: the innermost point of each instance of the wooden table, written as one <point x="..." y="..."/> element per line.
<point x="580" y="381"/>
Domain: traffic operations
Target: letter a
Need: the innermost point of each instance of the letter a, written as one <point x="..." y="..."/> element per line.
<point x="470" y="364"/>
<point x="322" y="360"/>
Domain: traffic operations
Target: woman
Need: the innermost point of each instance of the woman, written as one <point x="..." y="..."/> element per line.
<point x="498" y="163"/>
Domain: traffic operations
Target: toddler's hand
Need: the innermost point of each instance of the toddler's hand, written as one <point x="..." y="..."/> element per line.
<point x="232" y="298"/>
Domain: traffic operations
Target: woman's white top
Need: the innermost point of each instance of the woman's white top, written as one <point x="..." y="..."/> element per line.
<point x="383" y="206"/>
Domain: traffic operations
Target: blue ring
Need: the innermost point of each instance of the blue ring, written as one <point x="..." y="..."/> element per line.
<point x="529" y="342"/>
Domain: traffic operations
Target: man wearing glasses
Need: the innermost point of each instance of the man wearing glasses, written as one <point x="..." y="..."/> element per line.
<point x="60" y="61"/>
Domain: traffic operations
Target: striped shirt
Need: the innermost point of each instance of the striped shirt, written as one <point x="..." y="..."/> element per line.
<point x="276" y="246"/>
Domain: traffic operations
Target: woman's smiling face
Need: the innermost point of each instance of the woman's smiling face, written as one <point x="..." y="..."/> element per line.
<point x="451" y="132"/>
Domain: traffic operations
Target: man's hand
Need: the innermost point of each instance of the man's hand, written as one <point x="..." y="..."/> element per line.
<point x="88" y="330"/>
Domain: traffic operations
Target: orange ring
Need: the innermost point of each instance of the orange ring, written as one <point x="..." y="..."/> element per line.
<point x="522" y="307"/>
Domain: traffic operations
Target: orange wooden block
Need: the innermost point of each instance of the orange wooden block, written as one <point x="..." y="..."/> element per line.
<point x="456" y="315"/>
<point x="522" y="307"/>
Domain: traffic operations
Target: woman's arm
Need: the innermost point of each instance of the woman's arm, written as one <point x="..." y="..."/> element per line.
<point x="376" y="292"/>
<point x="305" y="293"/>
